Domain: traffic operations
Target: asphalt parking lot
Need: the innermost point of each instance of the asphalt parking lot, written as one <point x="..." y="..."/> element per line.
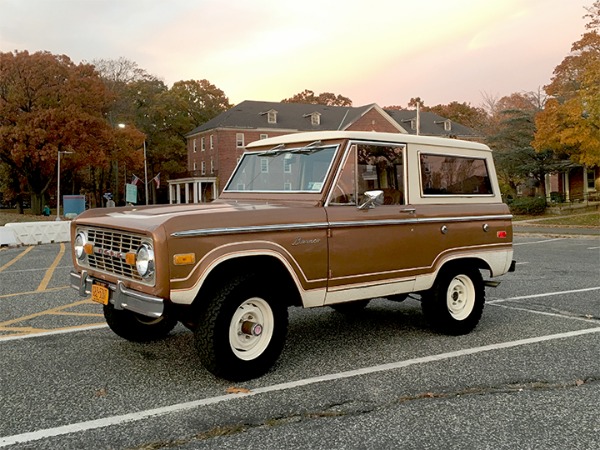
<point x="527" y="377"/>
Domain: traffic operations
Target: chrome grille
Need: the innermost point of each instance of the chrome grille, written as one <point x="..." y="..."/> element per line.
<point x="110" y="248"/>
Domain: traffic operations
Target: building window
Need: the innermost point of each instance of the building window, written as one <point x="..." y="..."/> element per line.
<point x="591" y="180"/>
<point x="287" y="163"/>
<point x="202" y="145"/>
<point x="194" y="144"/>
<point x="272" y="116"/>
<point x="195" y="166"/>
<point x="203" y="170"/>
<point x="264" y="165"/>
<point x="239" y="140"/>
<point x="211" y="140"/>
<point x="413" y="124"/>
<point x="264" y="136"/>
<point x="447" y="125"/>
<point x="212" y="166"/>
<point x="287" y="186"/>
<point x="315" y="119"/>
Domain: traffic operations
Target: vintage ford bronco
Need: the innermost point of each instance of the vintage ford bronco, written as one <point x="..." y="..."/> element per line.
<point x="309" y="219"/>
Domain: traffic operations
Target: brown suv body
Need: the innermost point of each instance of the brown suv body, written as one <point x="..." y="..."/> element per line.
<point x="327" y="218"/>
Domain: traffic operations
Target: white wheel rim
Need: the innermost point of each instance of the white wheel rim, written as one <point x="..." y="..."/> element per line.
<point x="245" y="345"/>
<point x="460" y="297"/>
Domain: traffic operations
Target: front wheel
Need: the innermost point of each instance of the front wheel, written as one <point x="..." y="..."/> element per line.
<point x="454" y="304"/>
<point x="136" y="327"/>
<point x="242" y="331"/>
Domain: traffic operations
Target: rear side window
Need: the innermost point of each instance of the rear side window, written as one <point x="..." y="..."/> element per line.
<point x="454" y="175"/>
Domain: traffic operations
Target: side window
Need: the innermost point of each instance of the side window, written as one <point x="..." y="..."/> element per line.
<point x="454" y="175"/>
<point x="368" y="168"/>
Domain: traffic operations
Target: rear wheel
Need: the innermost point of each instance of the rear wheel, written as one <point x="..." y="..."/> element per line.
<point x="242" y="330"/>
<point x="136" y="327"/>
<point x="454" y="304"/>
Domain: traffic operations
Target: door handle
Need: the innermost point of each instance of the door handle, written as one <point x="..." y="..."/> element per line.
<point x="409" y="210"/>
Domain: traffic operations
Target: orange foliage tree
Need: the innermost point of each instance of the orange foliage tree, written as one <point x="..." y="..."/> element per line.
<point x="324" y="98"/>
<point x="570" y="121"/>
<point x="49" y="105"/>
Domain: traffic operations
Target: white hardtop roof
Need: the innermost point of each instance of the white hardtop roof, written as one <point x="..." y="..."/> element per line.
<point x="371" y="136"/>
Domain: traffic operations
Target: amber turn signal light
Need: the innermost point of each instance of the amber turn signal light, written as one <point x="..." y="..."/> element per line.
<point x="130" y="259"/>
<point x="184" y="259"/>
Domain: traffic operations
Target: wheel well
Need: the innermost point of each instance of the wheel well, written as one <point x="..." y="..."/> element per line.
<point x="462" y="262"/>
<point x="270" y="268"/>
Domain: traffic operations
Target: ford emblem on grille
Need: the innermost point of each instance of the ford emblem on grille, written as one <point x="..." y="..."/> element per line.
<point x="108" y="252"/>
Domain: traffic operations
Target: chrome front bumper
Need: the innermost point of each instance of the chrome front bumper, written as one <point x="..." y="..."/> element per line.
<point x="120" y="296"/>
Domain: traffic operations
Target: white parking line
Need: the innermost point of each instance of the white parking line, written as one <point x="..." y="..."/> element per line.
<point x="150" y="413"/>
<point x="548" y="294"/>
<point x="538" y="242"/>
<point x="49" y="333"/>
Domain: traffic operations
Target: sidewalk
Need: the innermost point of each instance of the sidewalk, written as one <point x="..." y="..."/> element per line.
<point x="557" y="230"/>
<point x="537" y="226"/>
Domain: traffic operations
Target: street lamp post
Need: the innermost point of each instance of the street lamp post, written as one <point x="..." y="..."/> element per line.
<point x="58" y="185"/>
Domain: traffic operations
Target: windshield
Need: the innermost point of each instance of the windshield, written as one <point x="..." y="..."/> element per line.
<point x="291" y="170"/>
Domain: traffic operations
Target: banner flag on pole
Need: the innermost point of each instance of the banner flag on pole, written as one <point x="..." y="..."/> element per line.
<point x="156" y="180"/>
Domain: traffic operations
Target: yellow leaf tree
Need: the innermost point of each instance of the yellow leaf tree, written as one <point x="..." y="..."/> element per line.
<point x="570" y="122"/>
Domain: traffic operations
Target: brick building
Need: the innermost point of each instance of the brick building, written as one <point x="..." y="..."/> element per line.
<point x="215" y="147"/>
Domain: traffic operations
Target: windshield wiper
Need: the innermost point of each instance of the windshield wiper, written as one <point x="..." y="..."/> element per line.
<point x="278" y="149"/>
<point x="308" y="149"/>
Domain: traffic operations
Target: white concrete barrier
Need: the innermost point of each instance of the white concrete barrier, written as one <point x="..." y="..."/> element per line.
<point x="45" y="232"/>
<point x="7" y="237"/>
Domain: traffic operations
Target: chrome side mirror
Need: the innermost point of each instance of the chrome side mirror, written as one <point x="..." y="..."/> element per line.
<point x="371" y="199"/>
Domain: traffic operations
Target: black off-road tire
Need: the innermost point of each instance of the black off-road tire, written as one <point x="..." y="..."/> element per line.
<point x="223" y="341"/>
<point x="136" y="327"/>
<point x="454" y="304"/>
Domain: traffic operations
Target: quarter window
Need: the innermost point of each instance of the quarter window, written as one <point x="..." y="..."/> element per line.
<point x="454" y="175"/>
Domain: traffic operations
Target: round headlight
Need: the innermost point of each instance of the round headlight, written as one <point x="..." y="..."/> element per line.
<point x="80" y="241"/>
<point x="144" y="261"/>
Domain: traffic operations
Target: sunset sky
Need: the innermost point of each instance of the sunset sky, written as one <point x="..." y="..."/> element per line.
<point x="372" y="51"/>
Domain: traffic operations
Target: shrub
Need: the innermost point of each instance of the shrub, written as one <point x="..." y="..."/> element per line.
<point x="528" y="205"/>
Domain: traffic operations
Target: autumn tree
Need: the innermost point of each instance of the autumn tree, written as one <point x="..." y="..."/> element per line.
<point x="517" y="162"/>
<point x="49" y="105"/>
<point x="164" y="116"/>
<point x="462" y="113"/>
<point x="134" y="92"/>
<point x="174" y="113"/>
<point x="570" y="122"/>
<point x="325" y="98"/>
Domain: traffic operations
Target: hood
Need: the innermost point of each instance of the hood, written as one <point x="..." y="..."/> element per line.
<point x="218" y="212"/>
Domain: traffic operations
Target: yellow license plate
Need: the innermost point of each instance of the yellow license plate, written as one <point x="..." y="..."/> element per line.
<point x="100" y="294"/>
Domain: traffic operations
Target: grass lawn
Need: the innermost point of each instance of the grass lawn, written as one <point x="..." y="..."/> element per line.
<point x="579" y="220"/>
<point x="11" y="215"/>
